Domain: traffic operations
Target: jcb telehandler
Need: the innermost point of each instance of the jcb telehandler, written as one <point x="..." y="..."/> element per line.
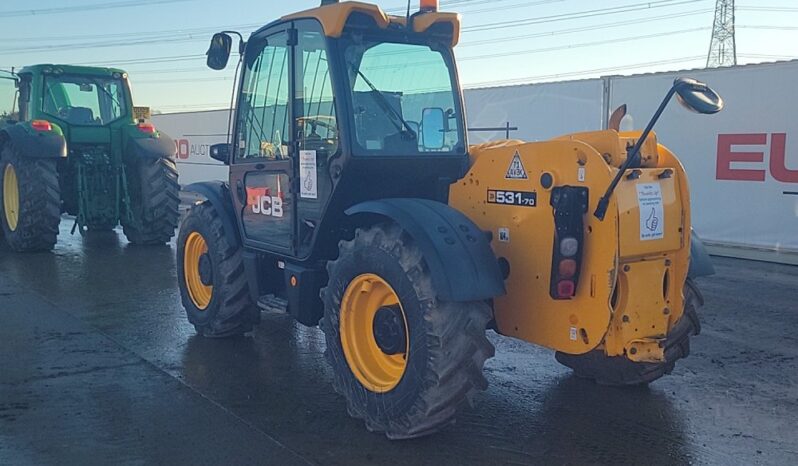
<point x="354" y="201"/>
<point x="70" y="142"/>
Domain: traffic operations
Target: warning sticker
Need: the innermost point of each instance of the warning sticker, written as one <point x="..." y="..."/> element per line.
<point x="652" y="218"/>
<point x="307" y="174"/>
<point x="516" y="170"/>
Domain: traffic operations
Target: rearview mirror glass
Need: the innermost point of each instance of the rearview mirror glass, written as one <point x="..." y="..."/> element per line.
<point x="219" y="51"/>
<point x="697" y="96"/>
<point x="433" y="128"/>
<point x="221" y="152"/>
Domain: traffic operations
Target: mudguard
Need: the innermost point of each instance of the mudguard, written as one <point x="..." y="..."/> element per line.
<point x="161" y="147"/>
<point x="31" y="143"/>
<point x="218" y="194"/>
<point x="457" y="252"/>
<point x="700" y="263"/>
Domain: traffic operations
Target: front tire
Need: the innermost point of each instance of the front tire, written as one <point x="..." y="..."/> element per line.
<point x="30" y="201"/>
<point x="155" y="201"/>
<point x="412" y="384"/>
<point x="210" y="272"/>
<point x="620" y="371"/>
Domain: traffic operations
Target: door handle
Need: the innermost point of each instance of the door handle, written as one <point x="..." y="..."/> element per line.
<point x="240" y="191"/>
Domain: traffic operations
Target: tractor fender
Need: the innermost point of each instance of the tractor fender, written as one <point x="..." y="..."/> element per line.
<point x="161" y="147"/>
<point x="700" y="263"/>
<point x="31" y="143"/>
<point x="457" y="252"/>
<point x="218" y="194"/>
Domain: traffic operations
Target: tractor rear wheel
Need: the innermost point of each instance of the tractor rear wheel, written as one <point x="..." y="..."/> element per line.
<point x="31" y="201"/>
<point x="155" y="201"/>
<point x="210" y="271"/>
<point x="404" y="360"/>
<point x="619" y="370"/>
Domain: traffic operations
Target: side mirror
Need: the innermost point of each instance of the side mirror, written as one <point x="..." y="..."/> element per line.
<point x="433" y="128"/>
<point x="219" y="51"/>
<point x="221" y="152"/>
<point x="697" y="96"/>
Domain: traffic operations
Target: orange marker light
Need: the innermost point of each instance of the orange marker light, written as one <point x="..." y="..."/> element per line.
<point x="429" y="5"/>
<point x="41" y="125"/>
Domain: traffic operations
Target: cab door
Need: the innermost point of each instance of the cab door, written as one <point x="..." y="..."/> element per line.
<point x="262" y="170"/>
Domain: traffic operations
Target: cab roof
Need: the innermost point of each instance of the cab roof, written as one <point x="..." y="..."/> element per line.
<point x="47" y="68"/>
<point x="333" y="18"/>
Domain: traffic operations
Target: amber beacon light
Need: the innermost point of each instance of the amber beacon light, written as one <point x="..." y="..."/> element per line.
<point x="429" y="5"/>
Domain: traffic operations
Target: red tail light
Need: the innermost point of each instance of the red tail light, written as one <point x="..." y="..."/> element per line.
<point x="146" y="128"/>
<point x="41" y="125"/>
<point x="566" y="289"/>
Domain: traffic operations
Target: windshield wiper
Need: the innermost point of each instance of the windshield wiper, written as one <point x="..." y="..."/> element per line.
<point x="107" y="92"/>
<point x="385" y="105"/>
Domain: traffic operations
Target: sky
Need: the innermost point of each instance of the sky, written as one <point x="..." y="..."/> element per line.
<point x="162" y="43"/>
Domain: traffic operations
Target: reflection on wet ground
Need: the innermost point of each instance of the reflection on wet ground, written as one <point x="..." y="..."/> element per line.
<point x="116" y="305"/>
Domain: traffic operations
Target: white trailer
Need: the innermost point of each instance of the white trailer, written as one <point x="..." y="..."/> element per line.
<point x="742" y="162"/>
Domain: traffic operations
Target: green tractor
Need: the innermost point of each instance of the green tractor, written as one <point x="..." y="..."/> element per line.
<point x="71" y="141"/>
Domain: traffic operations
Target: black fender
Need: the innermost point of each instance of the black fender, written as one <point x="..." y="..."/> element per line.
<point x="218" y="194"/>
<point x="33" y="144"/>
<point x="457" y="252"/>
<point x="161" y="147"/>
<point x="700" y="263"/>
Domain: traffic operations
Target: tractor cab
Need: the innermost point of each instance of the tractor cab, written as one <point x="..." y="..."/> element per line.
<point x="338" y="105"/>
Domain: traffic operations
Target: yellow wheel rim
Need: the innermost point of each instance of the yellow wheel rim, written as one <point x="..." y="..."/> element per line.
<point x="11" y="197"/>
<point x="199" y="293"/>
<point x="375" y="370"/>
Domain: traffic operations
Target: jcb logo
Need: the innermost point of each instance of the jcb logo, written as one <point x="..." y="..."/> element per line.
<point x="259" y="200"/>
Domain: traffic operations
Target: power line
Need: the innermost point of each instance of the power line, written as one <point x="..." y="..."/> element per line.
<point x="597" y="71"/>
<point x="583" y="28"/>
<point x="581" y="14"/>
<point x="582" y="45"/>
<point x="134" y="35"/>
<point x="79" y="8"/>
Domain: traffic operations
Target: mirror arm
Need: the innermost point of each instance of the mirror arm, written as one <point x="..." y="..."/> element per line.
<point x="241" y="42"/>
<point x="601" y="208"/>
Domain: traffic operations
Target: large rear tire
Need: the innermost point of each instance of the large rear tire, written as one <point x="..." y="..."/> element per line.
<point x="210" y="271"/>
<point x="155" y="201"/>
<point x="404" y="360"/>
<point x="619" y="370"/>
<point x="30" y="201"/>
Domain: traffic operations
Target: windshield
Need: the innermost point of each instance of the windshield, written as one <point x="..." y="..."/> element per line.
<point x="84" y="100"/>
<point x="400" y="93"/>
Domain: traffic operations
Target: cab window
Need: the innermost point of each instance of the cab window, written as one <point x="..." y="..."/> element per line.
<point x="317" y="125"/>
<point x="401" y="92"/>
<point x="263" y="129"/>
<point x="9" y="109"/>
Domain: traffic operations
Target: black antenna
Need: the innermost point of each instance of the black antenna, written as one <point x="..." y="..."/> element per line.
<point x="408" y="13"/>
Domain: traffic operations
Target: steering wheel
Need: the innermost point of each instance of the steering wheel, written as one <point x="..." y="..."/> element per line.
<point x="312" y="140"/>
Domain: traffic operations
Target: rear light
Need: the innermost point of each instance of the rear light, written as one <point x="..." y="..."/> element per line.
<point x="146" y="128"/>
<point x="569" y="247"/>
<point x="569" y="205"/>
<point x="41" y="125"/>
<point x="429" y="5"/>
<point x="567" y="268"/>
<point x="566" y="289"/>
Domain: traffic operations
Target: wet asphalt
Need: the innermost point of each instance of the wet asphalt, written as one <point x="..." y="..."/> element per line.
<point x="98" y="365"/>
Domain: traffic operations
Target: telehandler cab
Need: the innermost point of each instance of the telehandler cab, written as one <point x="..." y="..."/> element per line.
<point x="355" y="202"/>
<point x="71" y="141"/>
